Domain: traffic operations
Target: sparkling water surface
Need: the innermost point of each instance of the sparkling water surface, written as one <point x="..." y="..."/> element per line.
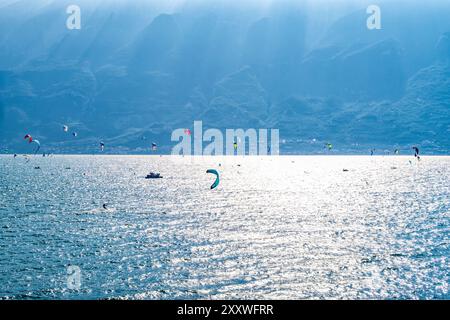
<point x="275" y="228"/>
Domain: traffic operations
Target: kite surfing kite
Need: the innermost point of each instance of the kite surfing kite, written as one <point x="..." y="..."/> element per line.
<point x="328" y="145"/>
<point x="65" y="128"/>
<point x="154" y="146"/>
<point x="31" y="140"/>
<point x="216" y="183"/>
<point x="416" y="153"/>
<point x="74" y="134"/>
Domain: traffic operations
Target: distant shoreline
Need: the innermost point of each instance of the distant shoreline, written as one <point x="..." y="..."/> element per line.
<point x="228" y="156"/>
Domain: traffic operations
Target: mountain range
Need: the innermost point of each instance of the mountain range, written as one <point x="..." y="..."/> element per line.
<point x="136" y="71"/>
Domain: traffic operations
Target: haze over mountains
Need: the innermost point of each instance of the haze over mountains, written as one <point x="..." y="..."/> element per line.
<point x="139" y="69"/>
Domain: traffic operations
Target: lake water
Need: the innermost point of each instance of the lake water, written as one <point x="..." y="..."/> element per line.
<point x="275" y="228"/>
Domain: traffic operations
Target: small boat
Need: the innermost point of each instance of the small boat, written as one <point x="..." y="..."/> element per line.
<point x="153" y="175"/>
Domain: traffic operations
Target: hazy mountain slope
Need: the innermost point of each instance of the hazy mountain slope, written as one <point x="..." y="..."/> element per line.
<point x="136" y="71"/>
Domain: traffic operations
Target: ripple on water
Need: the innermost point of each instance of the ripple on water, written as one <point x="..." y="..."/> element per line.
<point x="285" y="227"/>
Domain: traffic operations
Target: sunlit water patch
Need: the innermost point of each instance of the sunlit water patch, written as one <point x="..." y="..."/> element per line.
<point x="275" y="228"/>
